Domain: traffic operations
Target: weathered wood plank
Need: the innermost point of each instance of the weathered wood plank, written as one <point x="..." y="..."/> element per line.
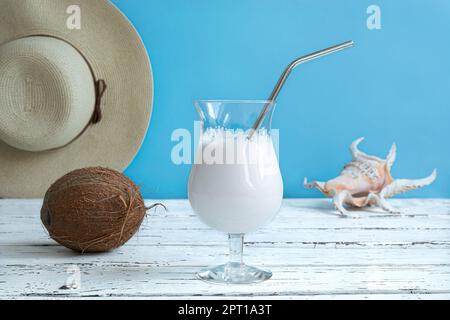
<point x="135" y="280"/>
<point x="311" y="238"/>
<point x="205" y="255"/>
<point x="314" y="254"/>
<point x="294" y="225"/>
<point x="25" y="209"/>
<point x="372" y="296"/>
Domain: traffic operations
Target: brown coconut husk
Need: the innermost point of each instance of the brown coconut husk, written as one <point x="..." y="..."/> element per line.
<point x="93" y="210"/>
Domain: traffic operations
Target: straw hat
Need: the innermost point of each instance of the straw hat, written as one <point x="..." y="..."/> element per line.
<point x="69" y="98"/>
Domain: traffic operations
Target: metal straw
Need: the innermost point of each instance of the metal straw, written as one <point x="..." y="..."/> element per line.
<point x="285" y="75"/>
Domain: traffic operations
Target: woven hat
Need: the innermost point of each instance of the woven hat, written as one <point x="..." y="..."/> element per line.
<point x="70" y="97"/>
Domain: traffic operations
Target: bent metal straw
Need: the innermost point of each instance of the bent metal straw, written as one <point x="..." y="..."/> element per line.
<point x="287" y="72"/>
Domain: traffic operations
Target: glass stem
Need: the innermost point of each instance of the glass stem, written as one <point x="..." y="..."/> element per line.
<point x="236" y="250"/>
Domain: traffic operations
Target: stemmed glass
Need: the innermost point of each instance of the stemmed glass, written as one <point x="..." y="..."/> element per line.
<point x="235" y="185"/>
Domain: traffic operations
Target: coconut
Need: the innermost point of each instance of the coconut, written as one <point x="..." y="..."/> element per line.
<point x="93" y="210"/>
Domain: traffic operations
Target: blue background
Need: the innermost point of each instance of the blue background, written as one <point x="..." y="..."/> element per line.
<point x="393" y="86"/>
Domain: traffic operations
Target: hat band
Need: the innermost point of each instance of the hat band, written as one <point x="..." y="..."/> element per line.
<point x="100" y="88"/>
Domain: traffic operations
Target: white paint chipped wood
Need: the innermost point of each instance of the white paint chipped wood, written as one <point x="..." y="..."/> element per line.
<point x="314" y="254"/>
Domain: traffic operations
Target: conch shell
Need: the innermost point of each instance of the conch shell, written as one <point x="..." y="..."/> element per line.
<point x="367" y="181"/>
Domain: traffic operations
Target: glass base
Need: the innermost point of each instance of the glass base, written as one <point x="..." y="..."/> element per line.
<point x="234" y="274"/>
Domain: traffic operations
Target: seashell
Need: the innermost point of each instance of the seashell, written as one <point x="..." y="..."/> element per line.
<point x="367" y="181"/>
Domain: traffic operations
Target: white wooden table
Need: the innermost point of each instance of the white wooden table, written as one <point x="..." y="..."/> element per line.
<point x="312" y="252"/>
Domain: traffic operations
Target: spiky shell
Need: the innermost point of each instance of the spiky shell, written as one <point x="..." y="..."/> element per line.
<point x="367" y="180"/>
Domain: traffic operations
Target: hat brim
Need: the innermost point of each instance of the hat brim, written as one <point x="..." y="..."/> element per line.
<point x="116" y="54"/>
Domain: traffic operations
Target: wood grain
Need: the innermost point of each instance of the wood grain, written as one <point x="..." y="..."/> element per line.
<point x="314" y="254"/>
